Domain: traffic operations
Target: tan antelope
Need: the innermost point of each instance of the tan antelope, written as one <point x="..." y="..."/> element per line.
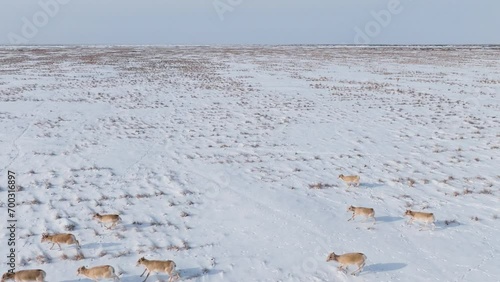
<point x="357" y="259"/>
<point x="367" y="212"/>
<point x="107" y="218"/>
<point x="25" y="275"/>
<point x="350" y="179"/>
<point x="61" y="238"/>
<point x="165" y="266"/>
<point x="425" y="217"/>
<point x="98" y="272"/>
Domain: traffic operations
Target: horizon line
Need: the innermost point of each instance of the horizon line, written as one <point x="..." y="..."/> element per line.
<point x="251" y="45"/>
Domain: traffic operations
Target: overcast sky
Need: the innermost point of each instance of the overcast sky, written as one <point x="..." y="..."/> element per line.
<point x="249" y="22"/>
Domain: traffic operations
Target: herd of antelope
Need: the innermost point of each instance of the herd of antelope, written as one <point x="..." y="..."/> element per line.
<point x="168" y="266"/>
<point x="359" y="259"/>
<point x="97" y="272"/>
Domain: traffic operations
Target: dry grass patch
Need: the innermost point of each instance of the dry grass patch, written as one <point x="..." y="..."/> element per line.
<point x="185" y="246"/>
<point x="79" y="256"/>
<point x="43" y="259"/>
<point x="486" y="191"/>
<point x="467" y="191"/>
<point x="320" y="185"/>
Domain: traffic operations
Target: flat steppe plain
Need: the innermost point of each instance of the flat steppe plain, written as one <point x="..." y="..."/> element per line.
<point x="226" y="159"/>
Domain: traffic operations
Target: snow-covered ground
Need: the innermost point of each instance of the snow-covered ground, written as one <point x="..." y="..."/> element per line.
<point x="226" y="159"/>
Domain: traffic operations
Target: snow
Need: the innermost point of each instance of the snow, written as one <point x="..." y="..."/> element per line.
<point x="212" y="157"/>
